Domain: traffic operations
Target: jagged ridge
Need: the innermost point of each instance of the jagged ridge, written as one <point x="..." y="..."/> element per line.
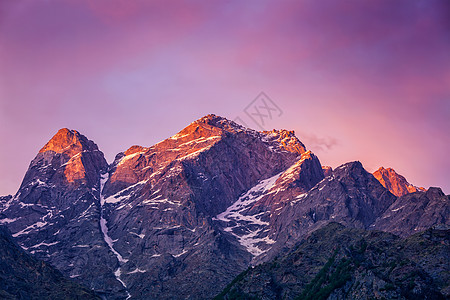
<point x="179" y="219"/>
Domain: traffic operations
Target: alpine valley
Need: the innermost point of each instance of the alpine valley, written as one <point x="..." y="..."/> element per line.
<point x="219" y="211"/>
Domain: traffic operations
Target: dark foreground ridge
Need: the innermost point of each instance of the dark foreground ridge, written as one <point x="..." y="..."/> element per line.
<point x="23" y="277"/>
<point x="336" y="262"/>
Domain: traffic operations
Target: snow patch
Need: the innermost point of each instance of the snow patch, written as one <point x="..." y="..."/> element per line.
<point x="119" y="196"/>
<point x="137" y="270"/>
<point x="155" y="201"/>
<point x="250" y="242"/>
<point x="397" y="209"/>
<point x="117" y="273"/>
<point x="7" y="221"/>
<point x="199" y="140"/>
<point x="30" y="228"/>
<point x="141" y="236"/>
<point x="234" y="211"/>
<point x="236" y="214"/>
<point x="298" y="198"/>
<point x="44" y="244"/>
<point x="125" y="158"/>
<point x="38" y="182"/>
<point x="194" y="154"/>
<point x="9" y="202"/>
<point x="84" y="213"/>
<point x="110" y="241"/>
<point x="180" y="254"/>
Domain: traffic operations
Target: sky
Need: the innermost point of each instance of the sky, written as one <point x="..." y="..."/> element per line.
<point x="356" y="80"/>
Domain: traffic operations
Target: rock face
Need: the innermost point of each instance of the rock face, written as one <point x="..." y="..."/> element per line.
<point x="395" y="182"/>
<point x="336" y="262"/>
<point x="180" y="219"/>
<point x="251" y="218"/>
<point x="416" y="212"/>
<point x="23" y="277"/>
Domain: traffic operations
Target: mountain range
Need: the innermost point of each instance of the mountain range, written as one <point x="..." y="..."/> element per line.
<point x="182" y="218"/>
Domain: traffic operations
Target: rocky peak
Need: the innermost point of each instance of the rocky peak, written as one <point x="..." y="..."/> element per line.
<point x="57" y="208"/>
<point x="350" y="169"/>
<point x="304" y="174"/>
<point x="285" y="140"/>
<point x="133" y="150"/>
<point x="143" y="163"/>
<point x="280" y="148"/>
<point x="68" y="141"/>
<point x="69" y="154"/>
<point x="220" y="122"/>
<point x="212" y="126"/>
<point x="327" y="171"/>
<point x="359" y="197"/>
<point x="394" y="182"/>
<point x="434" y="192"/>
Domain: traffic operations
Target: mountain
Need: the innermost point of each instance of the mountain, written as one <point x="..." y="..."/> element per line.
<point x="395" y="182"/>
<point x="351" y="196"/>
<point x="416" y="212"/>
<point x="252" y="217"/>
<point x="55" y="214"/>
<point x="23" y="277"/>
<point x="210" y="155"/>
<point x="159" y="202"/>
<point x="336" y="262"/>
<point x="180" y="219"/>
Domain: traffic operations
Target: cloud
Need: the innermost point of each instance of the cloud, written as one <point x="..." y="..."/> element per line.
<point x="318" y="143"/>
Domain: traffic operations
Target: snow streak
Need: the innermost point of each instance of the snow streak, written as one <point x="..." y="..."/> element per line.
<point x="109" y="241"/>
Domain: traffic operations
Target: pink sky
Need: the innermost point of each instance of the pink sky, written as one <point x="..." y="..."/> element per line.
<point x="356" y="80"/>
